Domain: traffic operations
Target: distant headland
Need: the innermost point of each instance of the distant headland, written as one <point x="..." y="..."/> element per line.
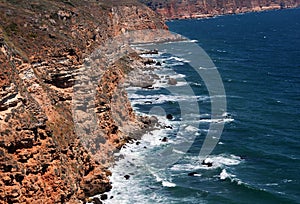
<point x="184" y="9"/>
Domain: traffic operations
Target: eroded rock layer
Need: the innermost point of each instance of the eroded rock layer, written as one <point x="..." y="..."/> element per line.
<point x="180" y="9"/>
<point x="42" y="48"/>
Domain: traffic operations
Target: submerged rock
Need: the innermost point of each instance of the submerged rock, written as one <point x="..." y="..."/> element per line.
<point x="104" y="197"/>
<point x="97" y="200"/>
<point x="168" y="127"/>
<point x="192" y="173"/>
<point x="148" y="87"/>
<point x="207" y="162"/>
<point x="164" y="139"/>
<point x="170" y="116"/>
<point x="158" y="64"/>
<point x="172" y="81"/>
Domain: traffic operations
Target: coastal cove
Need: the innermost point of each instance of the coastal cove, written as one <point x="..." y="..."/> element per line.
<point x="257" y="158"/>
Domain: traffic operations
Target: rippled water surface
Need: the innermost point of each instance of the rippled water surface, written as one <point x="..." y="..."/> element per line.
<point x="257" y="159"/>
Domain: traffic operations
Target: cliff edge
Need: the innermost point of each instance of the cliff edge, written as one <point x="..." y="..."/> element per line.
<point x="43" y="45"/>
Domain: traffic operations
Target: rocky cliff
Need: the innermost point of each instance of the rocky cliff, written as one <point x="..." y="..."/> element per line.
<point x="180" y="9"/>
<point x="43" y="45"/>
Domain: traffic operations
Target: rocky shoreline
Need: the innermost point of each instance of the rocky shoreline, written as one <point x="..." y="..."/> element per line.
<point x="142" y="76"/>
<point x="124" y="73"/>
<point x="43" y="48"/>
<point x="134" y="126"/>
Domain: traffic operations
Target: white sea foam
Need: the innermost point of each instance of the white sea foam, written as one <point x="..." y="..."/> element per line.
<point x="177" y="76"/>
<point x="222" y="51"/>
<point x="191" y="128"/>
<point x="176" y="63"/>
<point x="154" y="138"/>
<point x="226" y="114"/>
<point x="181" y="83"/>
<point x="186" y="41"/>
<point x="163" y="81"/>
<point x="151" y="55"/>
<point x="161" y="98"/>
<point x="195" y="84"/>
<point x="208" y="160"/>
<point x="179" y="59"/>
<point x="147" y="55"/>
<point x="178" y="152"/>
<point x="222" y="120"/>
<point x="204" y="68"/>
<point x="224" y="175"/>
<point x="135" y="156"/>
<point x="287" y="180"/>
<point x="168" y="184"/>
<point x="218" y="161"/>
<point x="230" y="160"/>
<point x="272" y="184"/>
<point x="133" y="165"/>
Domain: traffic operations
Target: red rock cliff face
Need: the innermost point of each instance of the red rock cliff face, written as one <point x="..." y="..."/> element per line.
<point x="42" y="47"/>
<point x="178" y="9"/>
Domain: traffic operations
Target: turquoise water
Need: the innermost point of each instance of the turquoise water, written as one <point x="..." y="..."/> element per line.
<point x="257" y="159"/>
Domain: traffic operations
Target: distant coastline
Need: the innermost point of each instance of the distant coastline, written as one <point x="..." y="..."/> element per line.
<point x="174" y="10"/>
<point x="204" y="16"/>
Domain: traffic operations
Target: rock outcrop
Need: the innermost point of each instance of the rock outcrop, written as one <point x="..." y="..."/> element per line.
<point x="181" y="9"/>
<point x="43" y="45"/>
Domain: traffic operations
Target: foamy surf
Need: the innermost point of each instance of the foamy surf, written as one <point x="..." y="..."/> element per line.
<point x="217" y="161"/>
<point x="178" y="59"/>
<point x="136" y="164"/>
<point x="224" y="175"/>
<point x="168" y="184"/>
<point x="224" y="120"/>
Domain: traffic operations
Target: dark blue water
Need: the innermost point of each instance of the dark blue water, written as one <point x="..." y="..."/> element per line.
<point x="258" y="58"/>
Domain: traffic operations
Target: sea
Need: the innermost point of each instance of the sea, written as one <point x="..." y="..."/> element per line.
<point x="256" y="156"/>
